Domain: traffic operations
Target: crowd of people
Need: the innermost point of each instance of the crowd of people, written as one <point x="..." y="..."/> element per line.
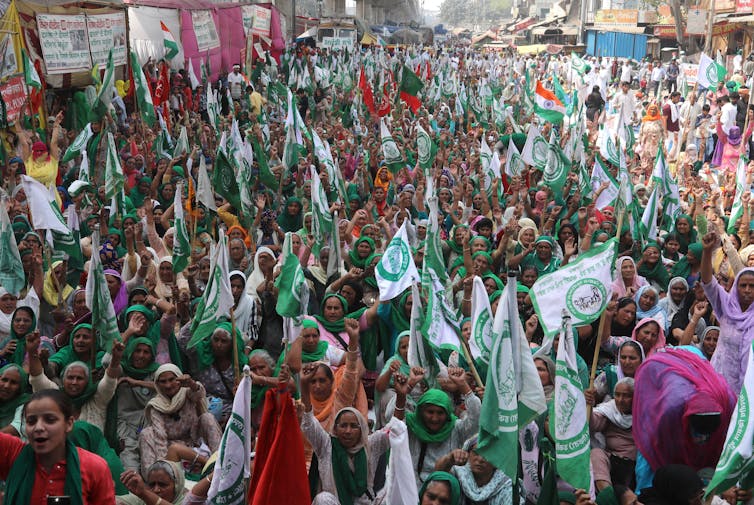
<point x="672" y="346"/>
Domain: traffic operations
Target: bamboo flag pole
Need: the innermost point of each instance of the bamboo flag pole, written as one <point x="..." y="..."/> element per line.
<point x="470" y="361"/>
<point x="236" y="367"/>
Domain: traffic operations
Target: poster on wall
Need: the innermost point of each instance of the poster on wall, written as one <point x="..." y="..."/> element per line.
<point x="14" y="97"/>
<point x="256" y="19"/>
<point x="8" y="63"/>
<point x="107" y="31"/>
<point x="205" y="30"/>
<point x="65" y="45"/>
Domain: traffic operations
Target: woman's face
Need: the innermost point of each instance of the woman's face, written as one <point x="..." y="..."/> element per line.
<point x="709" y="344"/>
<point x="333" y="309"/>
<point x="321" y="385"/>
<point x="141" y="356"/>
<point x="437" y="493"/>
<point x="293" y="208"/>
<point x="478" y="245"/>
<point x="652" y="255"/>
<point x="349" y="294"/>
<point x="647" y="336"/>
<point x="627" y="270"/>
<point x="671" y="247"/>
<point x="624" y="397"/>
<point x="745" y="289"/>
<point x="79" y="304"/>
<point x="168" y="385"/>
<point x="364" y="249"/>
<point x="479" y="465"/>
<point x="168" y="192"/>
<point x="529" y="277"/>
<point x="204" y="270"/>
<point x="113" y="285"/>
<point x="677" y="292"/>
<point x="647" y="300"/>
<point x="82" y="341"/>
<point x="489" y="285"/>
<point x="266" y="262"/>
<point x="8" y="303"/>
<point x="235" y="233"/>
<point x="433" y="417"/>
<point x="22" y="322"/>
<point x="59" y="273"/>
<point x="46" y="426"/>
<point x="259" y="366"/>
<point x="626" y="315"/>
<point x="459" y="234"/>
<point x="75" y="381"/>
<point x="160" y="483"/>
<point x="237" y="250"/>
<point x="348" y="430"/>
<point x="166" y="272"/>
<point x="544" y="251"/>
<point x="630" y="359"/>
<point x="565" y="234"/>
<point x="221" y="344"/>
<point x="10" y="384"/>
<point x="403" y="348"/>
<point x="480" y="265"/>
<point x="295" y="242"/>
<point x="544" y="372"/>
<point x="682" y="226"/>
<point x="466" y="330"/>
<point x="526" y="236"/>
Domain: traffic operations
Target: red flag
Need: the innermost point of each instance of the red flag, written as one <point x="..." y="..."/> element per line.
<point x="133" y="148"/>
<point x="279" y="467"/>
<point x="36" y="96"/>
<point x="384" y="109"/>
<point x="366" y="89"/>
<point x="162" y="89"/>
<point x="429" y="72"/>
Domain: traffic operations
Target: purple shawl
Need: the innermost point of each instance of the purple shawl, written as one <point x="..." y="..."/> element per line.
<point x="731" y="357"/>
<point x="670" y="387"/>
<point x="121" y="299"/>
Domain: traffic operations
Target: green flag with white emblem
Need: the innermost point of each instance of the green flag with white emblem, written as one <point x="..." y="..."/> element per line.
<point x="737" y="210"/>
<point x="12" y="276"/>
<point x="390" y="151"/>
<point x="293" y="298"/>
<point x="114" y="178"/>
<point x="480" y="340"/>
<point x="181" y="243"/>
<point x="557" y="167"/>
<point x="98" y="299"/>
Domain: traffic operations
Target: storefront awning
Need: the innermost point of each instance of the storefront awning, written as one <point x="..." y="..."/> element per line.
<point x="555" y="30"/>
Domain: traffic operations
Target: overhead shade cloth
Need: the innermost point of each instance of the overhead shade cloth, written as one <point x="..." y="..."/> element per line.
<point x="146" y="33"/>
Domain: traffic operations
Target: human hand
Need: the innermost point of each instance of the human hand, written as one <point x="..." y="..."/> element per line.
<point x="32" y="343"/>
<point x="117" y="351"/>
<point x="700" y="309"/>
<point x="133" y="482"/>
<point x="352" y="328"/>
<point x="308" y="371"/>
<point x="710" y="241"/>
<point x="459" y="457"/>
<point x="401" y="384"/>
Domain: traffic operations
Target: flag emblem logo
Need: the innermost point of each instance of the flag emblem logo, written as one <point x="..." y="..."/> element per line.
<point x="585" y="297"/>
<point x="539" y="151"/>
<point x="394" y="263"/>
<point x="712" y="73"/>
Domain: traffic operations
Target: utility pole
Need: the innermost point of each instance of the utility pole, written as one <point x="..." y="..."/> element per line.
<point x="582" y="21"/>
<point x="710" y="25"/>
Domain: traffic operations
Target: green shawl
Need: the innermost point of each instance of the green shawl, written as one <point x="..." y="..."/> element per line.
<point x="353" y="254"/>
<point x="452" y="244"/>
<point x="136" y="196"/>
<point x="685" y="240"/>
<point x="20" y="354"/>
<point x="658" y="273"/>
<point x="67" y="355"/>
<point x="289" y="222"/>
<point x="18" y="486"/>
<point x="8" y="409"/>
<point x="90" y="438"/>
<point x="416" y="426"/>
<point x="455" y="486"/>
<point x="683" y="268"/>
<point x="317" y="355"/>
<point x="204" y="348"/>
<point x="153" y="332"/>
<point x="350" y="484"/>
<point x="333" y="326"/>
<point x="139" y="373"/>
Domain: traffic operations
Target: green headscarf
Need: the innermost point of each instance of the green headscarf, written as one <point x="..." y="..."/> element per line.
<point x="349" y="483"/>
<point x="455" y="487"/>
<point x="204" y="348"/>
<point x="353" y="254"/>
<point x="405" y="369"/>
<point x="67" y="355"/>
<point x="333" y="326"/>
<point x="683" y="268"/>
<point x="415" y="423"/>
<point x="139" y="373"/>
<point x="18" y="485"/>
<point x="487" y="243"/>
<point x="685" y="240"/>
<point x="658" y="272"/>
<point x="20" y="353"/>
<point x="455" y="246"/>
<point x="137" y="197"/>
<point x="154" y="331"/>
<point x="498" y="282"/>
<point x="8" y="409"/>
<point x="90" y="438"/>
<point x="289" y="222"/>
<point x="394" y="317"/>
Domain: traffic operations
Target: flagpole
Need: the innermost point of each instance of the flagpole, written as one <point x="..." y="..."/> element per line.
<point x="470" y="361"/>
<point x="236" y="368"/>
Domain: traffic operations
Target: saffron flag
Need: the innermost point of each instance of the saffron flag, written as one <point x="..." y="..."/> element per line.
<point x="171" y="46"/>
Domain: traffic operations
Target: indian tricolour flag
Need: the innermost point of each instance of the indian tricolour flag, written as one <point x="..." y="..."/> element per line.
<point x="547" y="105"/>
<point x="171" y="46"/>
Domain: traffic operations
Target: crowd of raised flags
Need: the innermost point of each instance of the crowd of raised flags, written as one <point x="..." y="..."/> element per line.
<point x="443" y="126"/>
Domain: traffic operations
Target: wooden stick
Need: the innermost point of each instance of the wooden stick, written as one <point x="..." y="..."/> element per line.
<point x="470" y="361"/>
<point x="236" y="367"/>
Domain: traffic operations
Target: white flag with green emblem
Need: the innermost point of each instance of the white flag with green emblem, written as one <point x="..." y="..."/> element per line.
<point x="736" y="464"/>
<point x="396" y="270"/>
<point x="741" y="187"/>
<point x="535" y="149"/>
<point x="217" y="299"/>
<point x="578" y="64"/>
<point x="514" y="164"/>
<point x="45" y="214"/>
<point x="12" y="276"/>
<point x="480" y="340"/>
<point x="322" y="222"/>
<point x="441" y="323"/>
<point x="390" y="151"/>
<point x="181" y="242"/>
<point x="98" y="299"/>
<point x="581" y="287"/>
<point x="324" y="155"/>
<point x="78" y="146"/>
<point x="557" y="167"/>
<point x="601" y="176"/>
<point x="228" y="485"/>
<point x="425" y="147"/>
<point x="710" y="73"/>
<point x="649" y="217"/>
<point x="607" y="145"/>
<point x="114" y="178"/>
<point x="569" y="425"/>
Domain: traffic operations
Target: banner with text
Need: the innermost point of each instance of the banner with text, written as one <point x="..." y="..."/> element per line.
<point x="14" y="97"/>
<point x="256" y="19"/>
<point x="205" y="30"/>
<point x="65" y="45"/>
<point x="107" y="31"/>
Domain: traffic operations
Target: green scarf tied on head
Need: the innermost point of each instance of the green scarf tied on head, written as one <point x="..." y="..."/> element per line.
<point x="438" y="398"/>
<point x="154" y="331"/>
<point x="657" y="273"/>
<point x="139" y="373"/>
<point x="18" y="485"/>
<point x="683" y="268"/>
<point x="8" y="408"/>
<point x="350" y="484"/>
<point x="291" y="222"/>
<point x="20" y="353"/>
<point x="136" y="196"/>
<point x="481" y="238"/>
<point x="685" y="240"/>
<point x="333" y="326"/>
<point x="455" y="486"/>
<point x="67" y="355"/>
<point x="204" y="348"/>
<point x="353" y="254"/>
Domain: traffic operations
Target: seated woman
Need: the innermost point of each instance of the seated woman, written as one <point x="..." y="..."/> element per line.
<point x="613" y="462"/>
<point x="647" y="333"/>
<point x="347" y="458"/>
<point x="398" y="363"/>
<point x="440" y="488"/>
<point x="630" y="356"/>
<point x="648" y="305"/>
<point x="177" y="414"/>
<point x="82" y="347"/>
<point x="332" y="320"/>
<point x="14" y="393"/>
<point x="480" y="481"/>
<point x="651" y="268"/>
<point x="434" y="430"/>
<point x="140" y="321"/>
<point x="49" y="418"/>
<point x="164" y="485"/>
<point x="89" y="399"/>
<point x="13" y="348"/>
<point x="135" y="389"/>
<point x="310" y="348"/>
<point x="627" y="282"/>
<point x="708" y="341"/>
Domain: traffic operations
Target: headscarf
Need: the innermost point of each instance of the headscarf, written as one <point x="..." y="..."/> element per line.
<point x="243" y="313"/>
<point x="619" y="286"/>
<point x="108" y="255"/>
<point x="455" y="487"/>
<point x="700" y="345"/>
<point x="657" y="273"/>
<point x="67" y="355"/>
<point x="177" y="475"/>
<point x="8" y="408"/>
<point x="653" y="310"/>
<point x="618" y="369"/>
<point x="682" y="268"/>
<point x="405" y="368"/>
<point x="50" y="288"/>
<point x="258" y="392"/>
<point x="653" y="114"/>
<point x="451" y="242"/>
<point x="349" y="483"/>
<point x="91" y="387"/>
<point x="244" y="235"/>
<point x="333" y="326"/>
<point x="165" y="405"/>
<point x="660" y="344"/>
<point x="685" y="240"/>
<point x="257" y="276"/>
<point x="322" y="410"/>
<point x="20" y="354"/>
<point x="415" y="422"/>
<point x="291" y="222"/>
<point x="497" y="491"/>
<point x="129" y="369"/>
<point x="378" y="183"/>
<point x="731" y="308"/>
<point x="136" y="196"/>
<point x="204" y="352"/>
<point x="120" y="301"/>
<point x="667" y="303"/>
<point x="353" y="254"/>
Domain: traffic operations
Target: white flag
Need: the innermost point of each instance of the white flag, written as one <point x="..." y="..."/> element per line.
<point x="204" y="193"/>
<point x="217" y="299"/>
<point x="232" y="467"/>
<point x="400" y="490"/>
<point x="708" y="74"/>
<point x="599" y="176"/>
<point x="396" y="270"/>
<point x="192" y="75"/>
<point x="649" y="218"/>
<point x="536" y="149"/>
<point x="581" y="288"/>
<point x="514" y="164"/>
<point x="480" y="340"/>
<point x="45" y="214"/>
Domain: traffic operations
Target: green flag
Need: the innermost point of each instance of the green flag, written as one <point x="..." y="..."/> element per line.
<point x="143" y="95"/>
<point x="31" y="77"/>
<point x="265" y="174"/>
<point x="420" y="352"/>
<point x="181" y="242"/>
<point x="322" y="223"/>
<point x="390" y="151"/>
<point x="741" y="187"/>
<point x="569" y="425"/>
<point x="114" y="178"/>
<point x="98" y="299"/>
<point x="649" y="217"/>
<point x="293" y="297"/>
<point x="557" y="167"/>
<point x="12" y="276"/>
<point x="224" y="179"/>
<point x="105" y="95"/>
<point x="78" y="146"/>
<point x="578" y="64"/>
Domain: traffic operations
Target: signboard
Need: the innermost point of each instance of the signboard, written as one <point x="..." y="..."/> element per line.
<point x="697" y="21"/>
<point x="107" y="31"/>
<point x="744" y="6"/>
<point x="690" y="70"/>
<point x="205" y="30"/>
<point x="616" y="17"/>
<point x="724" y="28"/>
<point x="65" y="45"/>
<point x="261" y="21"/>
<point x="337" y="42"/>
<point x="14" y="97"/>
<point x="725" y="6"/>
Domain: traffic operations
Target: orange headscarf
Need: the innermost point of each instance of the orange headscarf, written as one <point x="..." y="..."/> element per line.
<point x="652" y="116"/>
<point x="378" y="183"/>
<point x="244" y="233"/>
